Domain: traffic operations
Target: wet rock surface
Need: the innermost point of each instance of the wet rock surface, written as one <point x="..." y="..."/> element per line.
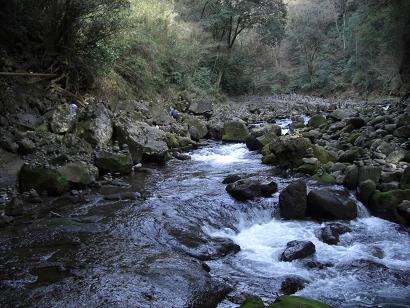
<point x="297" y="250"/>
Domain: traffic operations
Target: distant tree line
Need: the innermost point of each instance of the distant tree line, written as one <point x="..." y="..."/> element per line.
<point x="151" y="47"/>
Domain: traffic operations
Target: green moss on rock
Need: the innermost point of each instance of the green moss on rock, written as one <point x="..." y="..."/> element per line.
<point x="235" y="131"/>
<point x="253" y="302"/>
<point x="297" y="302"/>
<point x="42" y="178"/>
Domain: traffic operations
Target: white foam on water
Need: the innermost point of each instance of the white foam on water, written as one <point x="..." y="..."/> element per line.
<point x="226" y="154"/>
<point x="262" y="244"/>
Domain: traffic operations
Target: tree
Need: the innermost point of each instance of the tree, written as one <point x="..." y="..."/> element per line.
<point x="227" y="20"/>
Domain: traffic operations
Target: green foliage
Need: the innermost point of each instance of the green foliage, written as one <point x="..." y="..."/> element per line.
<point x="340" y="45"/>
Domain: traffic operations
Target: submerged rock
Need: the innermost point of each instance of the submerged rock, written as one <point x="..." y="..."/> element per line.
<point x="330" y="204"/>
<point x="248" y="189"/>
<point x="292" y="284"/>
<point x="293" y="200"/>
<point x="331" y="232"/>
<point x="297" y="250"/>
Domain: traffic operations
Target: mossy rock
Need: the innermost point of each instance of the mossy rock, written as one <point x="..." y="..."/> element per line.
<point x="323" y="155"/>
<point x="114" y="162"/>
<point x="317" y="121"/>
<point x="197" y="127"/>
<point x="307" y="169"/>
<point x="79" y="173"/>
<point x="325" y="178"/>
<point x="42" y="128"/>
<point x="235" y="131"/>
<point x="297" y="302"/>
<point x="172" y="141"/>
<point x="385" y="204"/>
<point x="265" y="150"/>
<point x="42" y="178"/>
<point x="353" y="137"/>
<point x="267" y="138"/>
<point x="299" y="125"/>
<point x="269" y="159"/>
<point x="253" y="302"/>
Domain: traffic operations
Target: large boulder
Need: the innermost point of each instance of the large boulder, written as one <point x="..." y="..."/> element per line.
<point x="405" y="179"/>
<point x="61" y="120"/>
<point x="369" y="173"/>
<point x="235" y="131"/>
<point x="42" y="178"/>
<point x="98" y="128"/>
<point x="317" y="121"/>
<point x="202" y="107"/>
<point x="114" y="162"/>
<point x="145" y="142"/>
<point x="343" y="114"/>
<point x="248" y="189"/>
<point x="385" y="204"/>
<point x="330" y="204"/>
<point x="160" y="115"/>
<point x="292" y="200"/>
<point x="365" y="190"/>
<point x="262" y="136"/>
<point x="297" y="250"/>
<point x="79" y="173"/>
<point x="289" y="151"/>
<point x="351" y="177"/>
<point x="197" y="127"/>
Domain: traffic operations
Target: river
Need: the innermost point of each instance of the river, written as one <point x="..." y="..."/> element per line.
<point x="141" y="253"/>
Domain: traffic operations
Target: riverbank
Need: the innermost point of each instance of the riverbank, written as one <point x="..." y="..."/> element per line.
<point x="105" y="213"/>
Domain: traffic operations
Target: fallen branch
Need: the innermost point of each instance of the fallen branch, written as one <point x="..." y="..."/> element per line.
<point x="78" y="98"/>
<point x="28" y="74"/>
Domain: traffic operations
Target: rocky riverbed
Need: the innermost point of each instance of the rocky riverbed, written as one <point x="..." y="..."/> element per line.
<point x="128" y="206"/>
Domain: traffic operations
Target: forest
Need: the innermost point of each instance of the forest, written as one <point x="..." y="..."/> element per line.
<point x="205" y="153"/>
<point x="151" y="47"/>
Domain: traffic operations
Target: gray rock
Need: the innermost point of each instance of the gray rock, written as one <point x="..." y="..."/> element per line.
<point x="356" y="122"/>
<point x="79" y="172"/>
<point x="330" y="204"/>
<point x="25" y="146"/>
<point x="197" y="127"/>
<point x="202" y="107"/>
<point x="369" y="173"/>
<point x="61" y="120"/>
<point x="405" y="179"/>
<point x="292" y="284"/>
<point x="292" y="201"/>
<point x="145" y="142"/>
<point x="330" y="234"/>
<point x="351" y="177"/>
<point x="120" y="162"/>
<point x="365" y="190"/>
<point x="235" y="131"/>
<point x="297" y="250"/>
<point x="99" y="130"/>
<point x="248" y="189"/>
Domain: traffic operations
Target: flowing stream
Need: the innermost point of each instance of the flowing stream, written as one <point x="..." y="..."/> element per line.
<point x="109" y="251"/>
<point x="262" y="236"/>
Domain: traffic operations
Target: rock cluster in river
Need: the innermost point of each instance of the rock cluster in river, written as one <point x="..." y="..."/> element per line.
<point x="365" y="147"/>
